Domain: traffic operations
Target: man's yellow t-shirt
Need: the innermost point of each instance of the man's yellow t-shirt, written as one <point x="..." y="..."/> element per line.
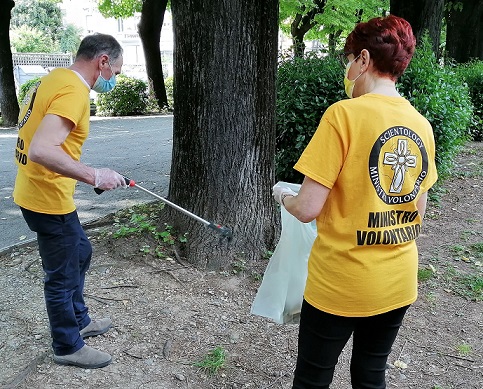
<point x="376" y="154"/>
<point x="62" y="93"/>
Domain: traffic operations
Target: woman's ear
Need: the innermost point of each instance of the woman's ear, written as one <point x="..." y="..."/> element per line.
<point x="366" y="58"/>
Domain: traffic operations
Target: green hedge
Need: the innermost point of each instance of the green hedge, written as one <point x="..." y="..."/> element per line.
<point x="25" y="87"/>
<point x="129" y="97"/>
<point x="438" y="93"/>
<point x="472" y="74"/>
<point x="306" y="87"/>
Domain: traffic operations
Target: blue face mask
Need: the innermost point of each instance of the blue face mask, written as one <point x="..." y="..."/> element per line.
<point x="102" y="85"/>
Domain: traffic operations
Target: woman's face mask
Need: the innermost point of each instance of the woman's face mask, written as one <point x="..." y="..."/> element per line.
<point x="349" y="84"/>
<point x="102" y="85"/>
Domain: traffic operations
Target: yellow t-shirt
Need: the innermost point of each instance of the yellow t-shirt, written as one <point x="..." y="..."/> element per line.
<point x="376" y="154"/>
<point x="62" y="93"/>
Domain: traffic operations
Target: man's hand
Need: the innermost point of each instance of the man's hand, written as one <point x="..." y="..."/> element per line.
<point x="107" y="179"/>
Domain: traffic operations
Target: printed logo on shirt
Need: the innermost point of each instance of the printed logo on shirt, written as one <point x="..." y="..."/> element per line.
<point x="20" y="152"/>
<point x="398" y="164"/>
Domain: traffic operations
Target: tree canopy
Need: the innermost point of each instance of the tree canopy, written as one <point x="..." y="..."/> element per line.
<point x="323" y="20"/>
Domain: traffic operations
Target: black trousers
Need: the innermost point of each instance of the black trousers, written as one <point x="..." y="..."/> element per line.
<point x="322" y="337"/>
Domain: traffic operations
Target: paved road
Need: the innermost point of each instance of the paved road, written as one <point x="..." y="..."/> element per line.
<point x="138" y="147"/>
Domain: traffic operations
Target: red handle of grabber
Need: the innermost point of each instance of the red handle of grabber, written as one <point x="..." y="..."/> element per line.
<point x="129" y="182"/>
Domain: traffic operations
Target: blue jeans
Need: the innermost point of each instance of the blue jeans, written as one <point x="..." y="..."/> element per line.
<point x="322" y="337"/>
<point x="66" y="254"/>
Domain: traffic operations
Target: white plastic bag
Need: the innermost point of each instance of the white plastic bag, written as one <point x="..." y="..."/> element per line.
<point x="280" y="295"/>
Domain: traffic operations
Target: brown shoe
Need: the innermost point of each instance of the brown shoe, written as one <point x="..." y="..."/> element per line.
<point x="96" y="327"/>
<point x="86" y="357"/>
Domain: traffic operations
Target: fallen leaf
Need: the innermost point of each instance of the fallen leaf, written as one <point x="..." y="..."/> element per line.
<point x="400" y="364"/>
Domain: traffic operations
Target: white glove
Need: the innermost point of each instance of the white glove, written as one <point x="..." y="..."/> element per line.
<point x="279" y="192"/>
<point x="107" y="179"/>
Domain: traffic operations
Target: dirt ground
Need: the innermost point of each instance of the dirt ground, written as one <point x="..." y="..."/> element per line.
<point x="169" y="315"/>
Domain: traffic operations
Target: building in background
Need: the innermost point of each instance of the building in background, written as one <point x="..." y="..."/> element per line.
<point x="86" y="16"/>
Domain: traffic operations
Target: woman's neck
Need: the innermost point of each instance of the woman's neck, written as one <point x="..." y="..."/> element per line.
<point x="383" y="86"/>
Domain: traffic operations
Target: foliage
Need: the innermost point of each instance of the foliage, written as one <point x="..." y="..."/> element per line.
<point x="213" y="361"/>
<point x="119" y="9"/>
<point x="439" y="95"/>
<point x="337" y="15"/>
<point x="129" y="97"/>
<point x="152" y="104"/>
<point x="25" y="87"/>
<point x="306" y="87"/>
<point x="169" y="85"/>
<point x="26" y="39"/>
<point x="472" y="74"/>
<point x="69" y="39"/>
<point x="42" y="15"/>
<point x="37" y="28"/>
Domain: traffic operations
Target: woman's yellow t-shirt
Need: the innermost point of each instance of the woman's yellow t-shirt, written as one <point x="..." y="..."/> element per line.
<point x="376" y="154"/>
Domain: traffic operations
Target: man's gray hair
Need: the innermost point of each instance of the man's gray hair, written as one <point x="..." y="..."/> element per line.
<point x="92" y="46"/>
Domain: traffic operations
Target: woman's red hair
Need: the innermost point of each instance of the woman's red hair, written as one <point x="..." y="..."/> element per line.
<point x="389" y="40"/>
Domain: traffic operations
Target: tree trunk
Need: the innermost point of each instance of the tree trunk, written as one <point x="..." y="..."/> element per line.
<point x="224" y="126"/>
<point x="423" y="15"/>
<point x="465" y="31"/>
<point x="149" y="28"/>
<point x="8" y="98"/>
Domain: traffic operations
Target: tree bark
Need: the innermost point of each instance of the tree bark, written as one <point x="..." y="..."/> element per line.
<point x="465" y="31"/>
<point x="422" y="15"/>
<point x="224" y="126"/>
<point x="8" y="98"/>
<point x="149" y="29"/>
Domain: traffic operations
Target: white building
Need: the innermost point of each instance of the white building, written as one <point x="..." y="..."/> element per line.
<point x="85" y="15"/>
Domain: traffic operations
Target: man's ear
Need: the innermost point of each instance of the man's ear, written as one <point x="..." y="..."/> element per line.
<point x="103" y="60"/>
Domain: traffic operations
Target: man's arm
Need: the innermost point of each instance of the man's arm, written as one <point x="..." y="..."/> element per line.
<point x="45" y="149"/>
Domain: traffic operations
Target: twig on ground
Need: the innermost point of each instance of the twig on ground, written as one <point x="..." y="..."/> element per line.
<point x="458" y="357"/>
<point x="402" y="349"/>
<point x="120" y="286"/>
<point x="20" y="377"/>
<point x="178" y="258"/>
<point x="102" y="299"/>
<point x="29" y="265"/>
<point x="131" y="355"/>
<point x="286" y="374"/>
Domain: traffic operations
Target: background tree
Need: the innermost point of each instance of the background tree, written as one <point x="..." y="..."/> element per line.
<point x="464" y="36"/>
<point x="26" y="39"/>
<point x="149" y="29"/>
<point x="325" y="20"/>
<point x="224" y="127"/>
<point x="41" y="15"/>
<point x="37" y="27"/>
<point x="8" y="100"/>
<point x="70" y="39"/>
<point x="422" y="15"/>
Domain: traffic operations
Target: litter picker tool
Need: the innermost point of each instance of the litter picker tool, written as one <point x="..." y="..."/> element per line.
<point x="225" y="232"/>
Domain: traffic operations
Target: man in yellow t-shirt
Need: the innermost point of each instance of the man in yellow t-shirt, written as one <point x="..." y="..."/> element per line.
<point x="53" y="125"/>
<point x="367" y="170"/>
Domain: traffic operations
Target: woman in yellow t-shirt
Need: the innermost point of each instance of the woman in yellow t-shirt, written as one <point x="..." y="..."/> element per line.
<point x="367" y="171"/>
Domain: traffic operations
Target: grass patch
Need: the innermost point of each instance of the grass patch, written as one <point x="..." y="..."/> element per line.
<point x="464" y="349"/>
<point x="425" y="274"/>
<point x="469" y="286"/>
<point x="213" y="361"/>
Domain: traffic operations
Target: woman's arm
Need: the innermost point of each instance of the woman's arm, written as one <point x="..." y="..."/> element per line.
<point x="308" y="203"/>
